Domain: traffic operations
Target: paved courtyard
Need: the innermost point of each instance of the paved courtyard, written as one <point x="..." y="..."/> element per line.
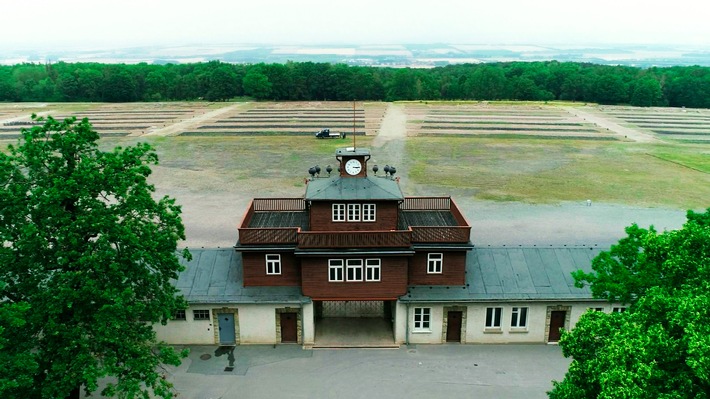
<point x="421" y="371"/>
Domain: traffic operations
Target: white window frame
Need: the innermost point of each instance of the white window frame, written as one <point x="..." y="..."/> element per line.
<point x="435" y="263"/>
<point x="618" y="309"/>
<point x="422" y="319"/>
<point x="354" y="212"/>
<point x="494" y="321"/>
<point x="204" y="315"/>
<point x="338" y="211"/>
<point x="369" y="212"/>
<point x="180" y="315"/>
<point x="353" y="270"/>
<point x="597" y="309"/>
<point x="273" y="264"/>
<point x="373" y="270"/>
<point x="336" y="270"/>
<point x="519" y="317"/>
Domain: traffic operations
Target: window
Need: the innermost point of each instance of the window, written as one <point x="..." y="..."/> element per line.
<point x="353" y="212"/>
<point x="273" y="264"/>
<point x="338" y="212"/>
<point x="201" y="314"/>
<point x="354" y="269"/>
<point x="519" y="317"/>
<point x="372" y="270"/>
<point x="493" y="317"/>
<point x="434" y="263"/>
<point x="422" y="318"/>
<point x="618" y="310"/>
<point x="335" y="270"/>
<point x="179" y="315"/>
<point x="368" y="213"/>
<point x="597" y="309"/>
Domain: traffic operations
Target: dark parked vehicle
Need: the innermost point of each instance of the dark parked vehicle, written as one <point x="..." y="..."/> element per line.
<point x="327" y="134"/>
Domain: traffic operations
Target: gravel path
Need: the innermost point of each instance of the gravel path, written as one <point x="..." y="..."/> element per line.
<point x="388" y="146"/>
<point x="192" y="123"/>
<point x="614" y="127"/>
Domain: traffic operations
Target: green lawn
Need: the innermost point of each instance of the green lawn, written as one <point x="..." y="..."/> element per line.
<point x="549" y="171"/>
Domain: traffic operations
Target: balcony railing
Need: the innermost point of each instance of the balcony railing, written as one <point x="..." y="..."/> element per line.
<point x="359" y="239"/>
<point x="267" y="236"/>
<point x="441" y="234"/>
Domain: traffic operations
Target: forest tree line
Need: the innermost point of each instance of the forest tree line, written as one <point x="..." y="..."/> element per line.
<point x="309" y="81"/>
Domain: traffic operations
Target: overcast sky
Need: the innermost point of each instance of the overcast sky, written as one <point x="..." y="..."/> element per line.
<point x="114" y="24"/>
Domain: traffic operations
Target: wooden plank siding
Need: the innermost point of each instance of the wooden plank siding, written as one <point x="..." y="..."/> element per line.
<point x="254" y="268"/>
<point x="321" y="218"/>
<point x="392" y="284"/>
<point x="453" y="271"/>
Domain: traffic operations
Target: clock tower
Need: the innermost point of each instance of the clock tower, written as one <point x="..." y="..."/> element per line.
<point x="353" y="162"/>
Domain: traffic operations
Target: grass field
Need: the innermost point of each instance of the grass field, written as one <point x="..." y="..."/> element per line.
<point x="549" y="171"/>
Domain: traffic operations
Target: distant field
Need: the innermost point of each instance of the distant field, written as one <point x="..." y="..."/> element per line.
<point x="669" y="124"/>
<point x="507" y="152"/>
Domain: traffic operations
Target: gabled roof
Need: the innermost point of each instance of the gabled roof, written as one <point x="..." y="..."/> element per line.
<point x="215" y="275"/>
<point x="353" y="188"/>
<point x="510" y="274"/>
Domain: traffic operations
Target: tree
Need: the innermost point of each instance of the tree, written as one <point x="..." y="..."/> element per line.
<point x="660" y="347"/>
<point x="256" y="84"/>
<point x="610" y="89"/>
<point x="86" y="266"/>
<point x="486" y="83"/>
<point x="647" y="92"/>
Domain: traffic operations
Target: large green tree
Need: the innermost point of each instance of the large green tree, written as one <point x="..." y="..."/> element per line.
<point x="660" y="347"/>
<point x="86" y="265"/>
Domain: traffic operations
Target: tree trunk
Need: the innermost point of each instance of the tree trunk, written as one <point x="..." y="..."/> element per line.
<point x="75" y="393"/>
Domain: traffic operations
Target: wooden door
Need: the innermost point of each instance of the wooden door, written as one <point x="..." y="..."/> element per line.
<point x="557" y="323"/>
<point x="453" y="326"/>
<point x="289" y="331"/>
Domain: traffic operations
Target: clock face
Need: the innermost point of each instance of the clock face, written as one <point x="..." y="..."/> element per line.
<point x="353" y="167"/>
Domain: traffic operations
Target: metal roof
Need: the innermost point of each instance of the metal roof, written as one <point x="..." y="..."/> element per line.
<point x="353" y="188"/>
<point x="352" y="151"/>
<point x="510" y="274"/>
<point x="425" y="218"/>
<point x="279" y="219"/>
<point x="214" y="275"/>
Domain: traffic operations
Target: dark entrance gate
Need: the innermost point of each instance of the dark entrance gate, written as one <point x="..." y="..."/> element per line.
<point x="289" y="330"/>
<point x="453" y="326"/>
<point x="557" y="323"/>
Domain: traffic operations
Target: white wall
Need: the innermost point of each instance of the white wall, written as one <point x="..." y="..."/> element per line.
<point x="256" y="325"/>
<point x="309" y="326"/>
<point x="400" y="322"/>
<point x="187" y="332"/>
<point x="535" y="332"/>
<point x="434" y="333"/>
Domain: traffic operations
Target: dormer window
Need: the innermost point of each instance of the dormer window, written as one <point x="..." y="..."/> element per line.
<point x="338" y="212"/>
<point x="368" y="213"/>
<point x="355" y="212"/>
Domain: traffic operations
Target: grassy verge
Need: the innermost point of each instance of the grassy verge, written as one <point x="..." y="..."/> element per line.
<point x="549" y="171"/>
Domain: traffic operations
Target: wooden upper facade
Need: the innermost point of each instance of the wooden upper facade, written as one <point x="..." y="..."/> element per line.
<point x="354" y="237"/>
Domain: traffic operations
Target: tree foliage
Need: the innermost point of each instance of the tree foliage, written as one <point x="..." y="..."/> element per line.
<point x="660" y="347"/>
<point x="86" y="265"/>
<point x="304" y="81"/>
